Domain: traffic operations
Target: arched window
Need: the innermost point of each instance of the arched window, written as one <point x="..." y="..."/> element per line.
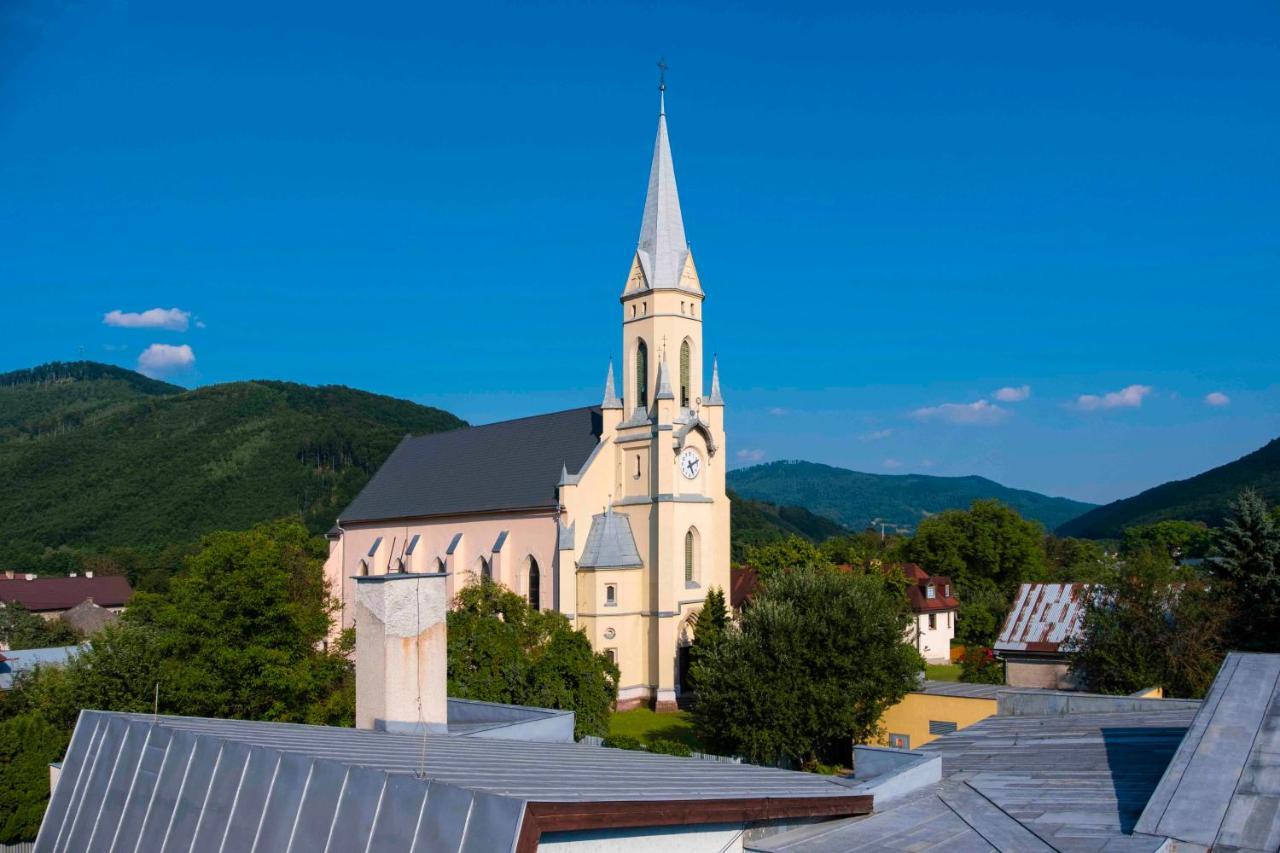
<point x="535" y="585"/>
<point x="364" y="568"/>
<point x="642" y="376"/>
<point x="486" y="568"/>
<point x="440" y="566"/>
<point x="691" y="556"/>
<point x="684" y="374"/>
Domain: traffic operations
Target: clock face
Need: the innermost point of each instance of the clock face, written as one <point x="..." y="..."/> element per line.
<point x="690" y="463"/>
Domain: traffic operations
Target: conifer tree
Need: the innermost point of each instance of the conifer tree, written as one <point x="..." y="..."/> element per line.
<point x="1250" y="546"/>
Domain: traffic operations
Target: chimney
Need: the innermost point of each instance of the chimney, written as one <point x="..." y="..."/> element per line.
<point x="8" y="574"/>
<point x="73" y="574"/>
<point x="88" y="574"/>
<point x="401" y="654"/>
<point x="30" y="576"/>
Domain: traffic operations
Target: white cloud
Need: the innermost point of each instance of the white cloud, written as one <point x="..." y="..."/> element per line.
<point x="174" y="319"/>
<point x="777" y="411"/>
<point x="878" y="435"/>
<point x="1013" y="394"/>
<point x="750" y="455"/>
<point x="160" y="359"/>
<point x="1129" y="397"/>
<point x="977" y="412"/>
<point x="1217" y="398"/>
<point x="891" y="464"/>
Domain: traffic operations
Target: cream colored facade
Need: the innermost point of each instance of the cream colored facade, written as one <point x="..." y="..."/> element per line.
<point x="932" y="634"/>
<point x="660" y="463"/>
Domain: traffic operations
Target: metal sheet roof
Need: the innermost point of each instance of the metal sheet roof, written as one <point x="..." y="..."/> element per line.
<point x="14" y="662"/>
<point x="1222" y="788"/>
<point x="610" y="543"/>
<point x="1044" y="617"/>
<point x="140" y="783"/>
<point x="508" y="465"/>
<point x="662" y="247"/>
<point x="1073" y="783"/>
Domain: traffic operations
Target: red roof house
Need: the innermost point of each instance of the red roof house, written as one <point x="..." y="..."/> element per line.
<point x="55" y="595"/>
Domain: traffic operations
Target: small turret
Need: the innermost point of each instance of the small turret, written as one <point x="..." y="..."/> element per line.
<point x="714" y="398"/>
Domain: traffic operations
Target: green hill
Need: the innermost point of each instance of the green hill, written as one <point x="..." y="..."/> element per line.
<point x="1203" y="497"/>
<point x="94" y="457"/>
<point x="758" y="522"/>
<point x="857" y="500"/>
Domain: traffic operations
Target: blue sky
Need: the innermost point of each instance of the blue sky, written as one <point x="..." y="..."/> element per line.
<point x="897" y="209"/>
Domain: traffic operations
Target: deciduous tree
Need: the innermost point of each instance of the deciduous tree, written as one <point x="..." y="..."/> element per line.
<point x="502" y="650"/>
<point x="1155" y="626"/>
<point x="815" y="662"/>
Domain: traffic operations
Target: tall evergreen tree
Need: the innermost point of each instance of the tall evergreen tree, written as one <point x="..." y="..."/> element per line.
<point x="1250" y="546"/>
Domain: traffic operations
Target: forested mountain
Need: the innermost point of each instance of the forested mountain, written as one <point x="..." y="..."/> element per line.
<point x="856" y="500"/>
<point x="94" y="457"/>
<point x="758" y="522"/>
<point x="1203" y="497"/>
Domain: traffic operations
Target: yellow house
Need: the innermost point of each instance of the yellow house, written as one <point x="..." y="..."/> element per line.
<point x="614" y="514"/>
<point x="938" y="708"/>
<point x="941" y="707"/>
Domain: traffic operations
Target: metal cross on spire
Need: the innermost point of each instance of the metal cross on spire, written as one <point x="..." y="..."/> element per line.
<point x="662" y="74"/>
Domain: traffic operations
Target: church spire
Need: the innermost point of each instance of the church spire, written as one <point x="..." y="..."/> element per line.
<point x="662" y="249"/>
<point x="611" y="400"/>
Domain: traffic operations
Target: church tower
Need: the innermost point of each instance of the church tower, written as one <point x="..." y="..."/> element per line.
<point x="668" y="434"/>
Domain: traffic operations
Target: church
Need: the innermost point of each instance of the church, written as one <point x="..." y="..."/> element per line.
<point x="613" y="514"/>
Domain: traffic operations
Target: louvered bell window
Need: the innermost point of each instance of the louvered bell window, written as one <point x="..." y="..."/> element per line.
<point x="688" y="556"/>
<point x="684" y="374"/>
<point x="642" y="376"/>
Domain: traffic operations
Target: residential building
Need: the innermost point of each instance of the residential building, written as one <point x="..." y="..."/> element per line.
<point x="613" y="514"/>
<point x="938" y="708"/>
<point x="55" y="597"/>
<point x="1036" y="640"/>
<point x="934" y="605"/>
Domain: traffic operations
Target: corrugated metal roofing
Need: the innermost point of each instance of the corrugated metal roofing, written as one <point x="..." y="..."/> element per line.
<point x="1044" y="617"/>
<point x="137" y="783"/>
<point x="508" y="465"/>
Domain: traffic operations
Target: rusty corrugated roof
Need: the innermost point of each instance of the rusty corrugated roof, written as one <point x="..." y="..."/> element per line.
<point x="1043" y="617"/>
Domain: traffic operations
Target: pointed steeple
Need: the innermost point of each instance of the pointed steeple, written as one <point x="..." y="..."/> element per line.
<point x="663" y="249"/>
<point x="664" y="381"/>
<point x="611" y="400"/>
<point x="714" y="398"/>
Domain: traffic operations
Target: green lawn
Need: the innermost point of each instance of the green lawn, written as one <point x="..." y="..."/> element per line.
<point x="648" y="726"/>
<point x="942" y="671"/>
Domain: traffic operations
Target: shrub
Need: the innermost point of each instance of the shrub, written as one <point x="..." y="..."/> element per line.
<point x="663" y="746"/>
<point x="979" y="666"/>
<point x="623" y="742"/>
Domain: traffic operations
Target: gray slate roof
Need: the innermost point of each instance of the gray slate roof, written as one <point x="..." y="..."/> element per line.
<point x="1222" y="789"/>
<point x="178" y="783"/>
<point x="502" y="466"/>
<point x="610" y="543"/>
<point x="1074" y="783"/>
